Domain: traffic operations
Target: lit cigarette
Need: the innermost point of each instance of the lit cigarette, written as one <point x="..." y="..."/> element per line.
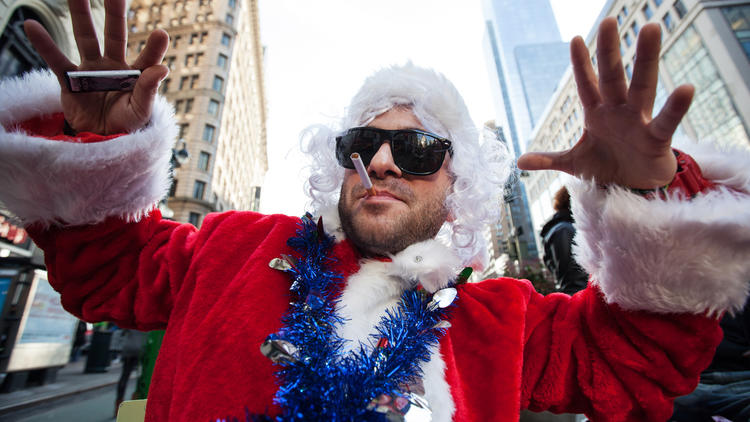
<point x="360" y="166"/>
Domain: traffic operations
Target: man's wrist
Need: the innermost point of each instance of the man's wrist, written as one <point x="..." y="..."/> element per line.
<point x="68" y="129"/>
<point x="688" y="180"/>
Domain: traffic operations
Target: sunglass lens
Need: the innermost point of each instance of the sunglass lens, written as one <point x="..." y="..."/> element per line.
<point x="417" y="153"/>
<point x="362" y="141"/>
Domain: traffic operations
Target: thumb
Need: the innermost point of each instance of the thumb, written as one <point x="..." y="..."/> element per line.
<point x="542" y="161"/>
<point x="146" y="88"/>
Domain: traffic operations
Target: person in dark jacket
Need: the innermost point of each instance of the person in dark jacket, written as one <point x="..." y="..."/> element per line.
<point x="724" y="389"/>
<point x="557" y="235"/>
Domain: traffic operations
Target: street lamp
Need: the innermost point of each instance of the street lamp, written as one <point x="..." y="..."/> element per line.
<point x="178" y="159"/>
<point x="181" y="156"/>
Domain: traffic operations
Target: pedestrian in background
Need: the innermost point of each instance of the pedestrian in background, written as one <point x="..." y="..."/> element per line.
<point x="557" y="236"/>
<point x="132" y="350"/>
<point x="78" y="341"/>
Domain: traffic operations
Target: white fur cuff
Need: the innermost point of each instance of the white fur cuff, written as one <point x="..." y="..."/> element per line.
<point x="668" y="255"/>
<point x="53" y="182"/>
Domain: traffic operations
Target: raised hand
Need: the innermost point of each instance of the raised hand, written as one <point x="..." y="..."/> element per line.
<point x="104" y="112"/>
<point x="621" y="143"/>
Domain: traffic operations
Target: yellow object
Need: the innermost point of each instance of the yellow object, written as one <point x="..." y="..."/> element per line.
<point x="132" y="411"/>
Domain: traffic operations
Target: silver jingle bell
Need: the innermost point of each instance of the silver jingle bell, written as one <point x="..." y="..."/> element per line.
<point x="279" y="351"/>
<point x="442" y="298"/>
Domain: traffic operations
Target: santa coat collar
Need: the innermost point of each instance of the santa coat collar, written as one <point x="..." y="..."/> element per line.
<point x="377" y="287"/>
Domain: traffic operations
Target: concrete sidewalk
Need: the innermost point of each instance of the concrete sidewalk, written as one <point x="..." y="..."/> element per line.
<point x="70" y="380"/>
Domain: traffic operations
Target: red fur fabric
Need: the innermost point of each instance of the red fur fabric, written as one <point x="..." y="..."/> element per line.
<point x="508" y="348"/>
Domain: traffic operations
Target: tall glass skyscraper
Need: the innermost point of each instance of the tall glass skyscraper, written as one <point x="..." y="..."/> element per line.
<point x="526" y="58"/>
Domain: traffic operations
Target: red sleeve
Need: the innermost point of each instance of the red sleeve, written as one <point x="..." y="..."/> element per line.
<point x="577" y="354"/>
<point x="127" y="273"/>
<point x="584" y="356"/>
<point x="52" y="127"/>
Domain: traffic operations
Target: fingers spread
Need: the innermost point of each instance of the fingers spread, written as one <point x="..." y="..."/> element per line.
<point x="84" y="30"/>
<point x="145" y="90"/>
<point x="612" y="85"/>
<point x="47" y="49"/>
<point x="115" y="30"/>
<point x="584" y="73"/>
<point x="665" y="123"/>
<point x="153" y="52"/>
<point x="646" y="70"/>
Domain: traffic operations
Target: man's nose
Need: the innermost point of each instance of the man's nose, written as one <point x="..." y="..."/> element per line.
<point x="382" y="163"/>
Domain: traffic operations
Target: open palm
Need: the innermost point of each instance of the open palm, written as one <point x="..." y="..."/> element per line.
<point x="104" y="112"/>
<point x="621" y="143"/>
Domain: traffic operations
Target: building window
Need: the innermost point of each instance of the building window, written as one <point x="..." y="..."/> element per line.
<point x="183" y="82"/>
<point x="229" y="19"/>
<point x="629" y="70"/>
<point x="176" y="41"/>
<point x="208" y="133"/>
<point x="622" y="15"/>
<point x="188" y="105"/>
<point x="183" y="131"/>
<point x="647" y="12"/>
<point x="194" y="81"/>
<point x="739" y="21"/>
<point x="178" y="106"/>
<point x="658" y="2"/>
<point x="635" y="27"/>
<point x="232" y="3"/>
<point x="164" y="86"/>
<point x="203" y="160"/>
<point x="713" y="114"/>
<point x="680" y="9"/>
<point x="204" y="35"/>
<point x="218" y="83"/>
<point x="198" y="58"/>
<point x="169" y="61"/>
<point x="225" y="39"/>
<point x="193" y="38"/>
<point x="213" y="107"/>
<point x="199" y="189"/>
<point x="194" y="218"/>
<point x="628" y="39"/>
<point x="222" y="61"/>
<point x="668" y="22"/>
<point x="255" y="198"/>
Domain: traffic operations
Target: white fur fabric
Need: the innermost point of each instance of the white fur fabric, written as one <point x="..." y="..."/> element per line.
<point x="377" y="287"/>
<point x="69" y="183"/>
<point x="670" y="255"/>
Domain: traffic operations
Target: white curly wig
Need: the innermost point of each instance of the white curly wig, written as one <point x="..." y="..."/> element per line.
<point x="480" y="171"/>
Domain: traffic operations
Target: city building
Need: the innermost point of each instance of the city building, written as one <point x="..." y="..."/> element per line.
<point x="526" y="57"/>
<point x="16" y="53"/>
<point x="216" y="86"/>
<point x="704" y="43"/>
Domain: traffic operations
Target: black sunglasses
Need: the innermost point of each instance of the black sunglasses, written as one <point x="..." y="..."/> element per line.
<point x="414" y="151"/>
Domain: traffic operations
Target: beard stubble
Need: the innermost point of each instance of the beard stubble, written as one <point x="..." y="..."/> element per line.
<point x="373" y="235"/>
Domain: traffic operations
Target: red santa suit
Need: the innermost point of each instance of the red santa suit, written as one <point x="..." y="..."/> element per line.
<point x="621" y="350"/>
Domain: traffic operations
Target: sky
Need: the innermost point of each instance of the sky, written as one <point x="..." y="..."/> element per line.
<point x="317" y="54"/>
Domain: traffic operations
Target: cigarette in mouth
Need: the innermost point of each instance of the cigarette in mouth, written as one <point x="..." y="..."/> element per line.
<point x="360" y="166"/>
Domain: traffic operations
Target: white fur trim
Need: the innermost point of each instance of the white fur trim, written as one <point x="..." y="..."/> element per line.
<point x="670" y="255"/>
<point x="54" y="182"/>
<point x="430" y="262"/>
<point x="375" y="288"/>
<point x="332" y="223"/>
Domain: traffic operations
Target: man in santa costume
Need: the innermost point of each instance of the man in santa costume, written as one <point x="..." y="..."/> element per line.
<point x="362" y="310"/>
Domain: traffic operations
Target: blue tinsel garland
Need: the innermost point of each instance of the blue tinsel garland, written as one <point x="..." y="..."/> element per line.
<point x="322" y="382"/>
